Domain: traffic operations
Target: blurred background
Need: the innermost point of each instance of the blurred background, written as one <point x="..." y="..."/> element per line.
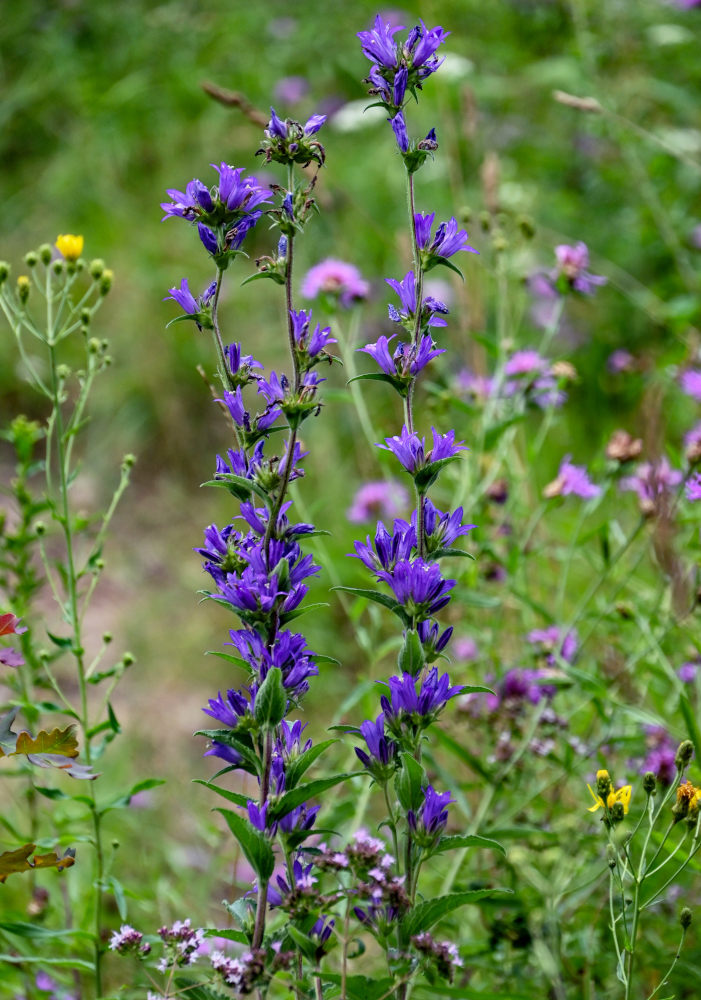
<point x="104" y="109"/>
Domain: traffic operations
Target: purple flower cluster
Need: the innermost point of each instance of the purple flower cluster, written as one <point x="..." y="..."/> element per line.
<point x="336" y="279"/>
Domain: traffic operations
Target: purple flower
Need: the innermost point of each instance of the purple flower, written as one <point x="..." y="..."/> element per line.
<point x="208" y="238"/>
<point x="399" y="128"/>
<point x="231" y="203"/>
<point x="687" y="672"/>
<point x="186" y="300"/>
<point x="389" y="548"/>
<point x="378" y="45"/>
<point x="572" y="479"/>
<point x="653" y="481"/>
<point x="573" y="262"/>
<point x="338" y="279"/>
<point x="430" y="820"/>
<point x="448" y="240"/>
<point x="661" y="755"/>
<point x="409" y="448"/>
<point x="406" y="290"/>
<point x="469" y="383"/>
<point x="441" y="529"/>
<point x="417" y="709"/>
<point x="433" y="643"/>
<point x="258" y="815"/>
<point x="399" y="86"/>
<point x="525" y="362"/>
<point x="424" y="47"/>
<point x="693" y="487"/>
<point x="373" y="499"/>
<point x="11" y="657"/>
<point x="310" y="345"/>
<point x="407" y="361"/>
<point x="382" y="750"/>
<point x="313" y="124"/>
<point x="291" y="89"/>
<point x="418" y="586"/>
<point x="551" y="639"/>
<point x="232" y="709"/>
<point x="620" y="361"/>
<point x="690" y="382"/>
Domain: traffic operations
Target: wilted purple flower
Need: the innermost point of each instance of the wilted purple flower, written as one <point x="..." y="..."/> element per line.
<point x="573" y="262"/>
<point x="572" y="479"/>
<point x="377" y="499"/>
<point x="336" y="278"/>
<point x="690" y="382"/>
<point x="693" y="487"/>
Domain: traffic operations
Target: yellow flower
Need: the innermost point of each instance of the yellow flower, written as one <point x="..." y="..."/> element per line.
<point x="622" y="795"/>
<point x="69" y="246"/>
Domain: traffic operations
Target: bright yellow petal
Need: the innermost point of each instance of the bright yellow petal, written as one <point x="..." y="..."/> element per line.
<point x="597" y="799"/>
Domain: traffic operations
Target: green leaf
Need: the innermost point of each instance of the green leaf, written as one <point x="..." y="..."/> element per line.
<point x="271" y="700"/>
<point x="410" y="782"/>
<point x="476" y="599"/>
<point x="427" y="476"/>
<point x="273" y="275"/>
<point x="303" y="942"/>
<point x="227" y="737"/>
<point x="71" y="963"/>
<point x="119" y="897"/>
<point x="377" y="377"/>
<point x="296" y="767"/>
<point x="476" y="689"/>
<point x="426" y="914"/>
<point x="468" y="840"/>
<point x="39" y="932"/>
<point x="411" y="657"/>
<point x="379" y="598"/>
<point x="254" y="844"/>
<point x="322" y="658"/>
<point x="456" y="553"/>
<point x="296" y="796"/>
<point x="444" y="262"/>
<point x="360" y="987"/>
<point x="229" y="657"/>
<point x="236" y="797"/>
<point x="298" y="612"/>
<point x="60" y="641"/>
<point x="238" y="486"/>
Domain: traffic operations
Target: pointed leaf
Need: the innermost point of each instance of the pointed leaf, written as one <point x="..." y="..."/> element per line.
<point x="410" y="783"/>
<point x="297" y="796"/>
<point x="236" y="797"/>
<point x="271" y="700"/>
<point x="296" y="767"/>
<point x="254" y="844"/>
<point x="459" y="553"/>
<point x="411" y="657"/>
<point x="444" y="262"/>
<point x="298" y="612"/>
<point x="426" y="914"/>
<point x="468" y="840"/>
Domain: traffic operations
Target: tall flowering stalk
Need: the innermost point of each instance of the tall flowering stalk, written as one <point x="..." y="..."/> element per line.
<point x="46" y="308"/>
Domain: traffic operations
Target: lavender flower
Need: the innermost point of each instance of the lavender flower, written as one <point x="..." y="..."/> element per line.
<point x="418" y="586"/>
<point x="688" y="671"/>
<point x="309" y="345"/>
<point x="11" y="657"/>
<point x="197" y="308"/>
<point x="380" y="760"/>
<point x="572" y="479"/>
<point x="399" y="128"/>
<point x="693" y="487"/>
<point x="429" y="821"/>
<point x="551" y="640"/>
<point x="228" y="208"/>
<point x="661" y="754"/>
<point x="406" y="362"/>
<point x="572" y="264"/>
<point x="388" y="548"/>
<point x="448" y="240"/>
<point x="338" y="279"/>
<point x="381" y="498"/>
<point x="653" y="482"/>
<point x="407" y="710"/>
<point x="410" y="449"/>
<point x="431" y="309"/>
<point x="690" y="382"/>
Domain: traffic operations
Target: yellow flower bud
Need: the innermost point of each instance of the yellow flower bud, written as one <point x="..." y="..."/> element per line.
<point x="69" y="246"/>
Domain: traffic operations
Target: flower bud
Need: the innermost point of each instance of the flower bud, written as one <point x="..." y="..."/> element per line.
<point x="685" y="918"/>
<point x="128" y="461"/>
<point x="499" y="243"/>
<point x="611" y="856"/>
<point x="40" y="528"/>
<point x="527" y="226"/>
<point x="4" y="271"/>
<point x="63" y="372"/>
<point x="127" y="659"/>
<point x="617" y="812"/>
<point x="485" y="221"/>
<point x="106" y="637"/>
<point x="31" y="259"/>
<point x="649" y="783"/>
<point x="57" y="267"/>
<point x="85" y="317"/>
<point x="106" y="281"/>
<point x="684" y="754"/>
<point x="97" y="268"/>
<point x="45" y="253"/>
<point x="94" y="345"/>
<point x="622" y="447"/>
<point x="99" y="563"/>
<point x="23" y="288"/>
<point x="465" y="215"/>
<point x="604" y="785"/>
